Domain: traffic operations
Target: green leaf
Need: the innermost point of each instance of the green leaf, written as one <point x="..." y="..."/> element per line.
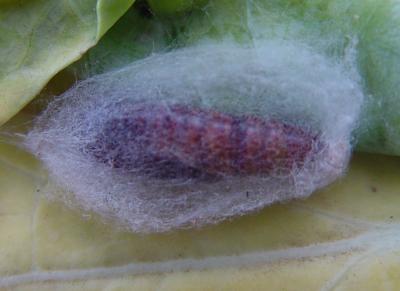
<point x="331" y="27"/>
<point x="171" y="7"/>
<point x="133" y="37"/>
<point x="39" y="38"/>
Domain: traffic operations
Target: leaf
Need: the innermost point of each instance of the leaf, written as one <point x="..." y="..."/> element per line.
<point x="133" y="37"/>
<point x="343" y="238"/>
<point x="39" y="38"/>
<point x="333" y="27"/>
<point x="171" y="7"/>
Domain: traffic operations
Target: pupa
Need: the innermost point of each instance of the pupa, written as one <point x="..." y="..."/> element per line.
<point x="173" y="141"/>
<point x="180" y="141"/>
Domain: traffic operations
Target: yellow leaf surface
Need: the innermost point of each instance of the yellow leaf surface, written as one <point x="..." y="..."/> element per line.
<point x="346" y="237"/>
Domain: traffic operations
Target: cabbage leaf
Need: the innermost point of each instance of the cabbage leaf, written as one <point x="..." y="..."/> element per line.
<point x="345" y="237"/>
<point x="366" y="30"/>
<point x="41" y="37"/>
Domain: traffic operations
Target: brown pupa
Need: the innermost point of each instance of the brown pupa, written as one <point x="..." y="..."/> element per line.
<point x="172" y="141"/>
